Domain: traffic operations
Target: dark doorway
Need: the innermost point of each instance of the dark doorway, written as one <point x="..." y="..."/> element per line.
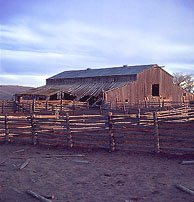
<point x="155" y="90"/>
<point x="67" y="96"/>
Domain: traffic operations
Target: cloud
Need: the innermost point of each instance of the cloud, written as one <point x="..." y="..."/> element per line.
<point x="179" y="67"/>
<point x="24" y="80"/>
<point x="40" y="39"/>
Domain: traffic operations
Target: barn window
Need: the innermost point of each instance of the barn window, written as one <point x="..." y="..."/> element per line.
<point x="184" y="94"/>
<point x="126" y="100"/>
<point x="155" y="90"/>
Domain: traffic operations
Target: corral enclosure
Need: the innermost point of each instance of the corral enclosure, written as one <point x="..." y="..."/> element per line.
<point x="80" y="126"/>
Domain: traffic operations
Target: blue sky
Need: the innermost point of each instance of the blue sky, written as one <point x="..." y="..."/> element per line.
<point x="40" y="38"/>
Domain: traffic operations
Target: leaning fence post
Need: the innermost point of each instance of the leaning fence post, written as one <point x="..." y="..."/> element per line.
<point x="156" y="134"/>
<point x="33" y="129"/>
<point x="69" y="136"/>
<point x="111" y="134"/>
<point x="6" y="129"/>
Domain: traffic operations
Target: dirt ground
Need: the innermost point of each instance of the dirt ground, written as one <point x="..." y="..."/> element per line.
<point x="96" y="176"/>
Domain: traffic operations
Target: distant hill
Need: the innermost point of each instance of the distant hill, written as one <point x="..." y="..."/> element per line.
<point x="7" y="91"/>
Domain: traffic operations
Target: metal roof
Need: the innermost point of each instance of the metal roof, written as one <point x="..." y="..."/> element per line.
<point x="78" y="89"/>
<point x="113" y="71"/>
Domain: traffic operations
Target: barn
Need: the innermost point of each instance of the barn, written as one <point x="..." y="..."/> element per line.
<point x="124" y="85"/>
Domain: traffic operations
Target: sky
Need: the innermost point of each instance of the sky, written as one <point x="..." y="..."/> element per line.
<point x="41" y="38"/>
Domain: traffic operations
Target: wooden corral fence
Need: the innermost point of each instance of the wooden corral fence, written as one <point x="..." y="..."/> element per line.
<point x="76" y="107"/>
<point x="6" y="106"/>
<point x="32" y="106"/>
<point x="161" y="105"/>
<point x="151" y="131"/>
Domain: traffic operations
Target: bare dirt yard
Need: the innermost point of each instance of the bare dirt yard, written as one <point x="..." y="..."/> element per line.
<point x="96" y="176"/>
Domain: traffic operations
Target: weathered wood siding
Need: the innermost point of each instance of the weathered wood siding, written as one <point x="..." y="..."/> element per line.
<point x="141" y="89"/>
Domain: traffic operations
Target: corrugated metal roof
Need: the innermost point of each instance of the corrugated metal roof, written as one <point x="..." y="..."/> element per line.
<point x="78" y="89"/>
<point x="113" y="71"/>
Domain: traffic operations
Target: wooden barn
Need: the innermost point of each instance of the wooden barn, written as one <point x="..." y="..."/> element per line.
<point x="124" y="85"/>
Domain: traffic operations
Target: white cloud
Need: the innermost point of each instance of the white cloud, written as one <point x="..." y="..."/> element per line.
<point x="20" y="34"/>
<point x="25" y="80"/>
<point x="180" y="67"/>
<point x="77" y="45"/>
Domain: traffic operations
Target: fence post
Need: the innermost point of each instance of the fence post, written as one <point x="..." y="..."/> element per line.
<point x="57" y="114"/>
<point x="6" y="129"/>
<point x="111" y="134"/>
<point x="52" y="108"/>
<point x="163" y="104"/>
<point x="138" y="116"/>
<point x="2" y="107"/>
<point x="124" y="108"/>
<point x="61" y="105"/>
<point x="46" y="104"/>
<point x="145" y="104"/>
<point x="33" y="105"/>
<point x="100" y="109"/>
<point x="156" y="134"/>
<point x="33" y="129"/>
<point x="69" y="136"/>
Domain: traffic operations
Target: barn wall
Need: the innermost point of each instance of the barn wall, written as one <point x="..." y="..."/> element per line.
<point x="141" y="89"/>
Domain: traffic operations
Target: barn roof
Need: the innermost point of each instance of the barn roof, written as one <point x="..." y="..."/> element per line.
<point x="113" y="71"/>
<point x="78" y="89"/>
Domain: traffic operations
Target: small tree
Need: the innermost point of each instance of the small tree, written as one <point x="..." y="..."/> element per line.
<point x="186" y="81"/>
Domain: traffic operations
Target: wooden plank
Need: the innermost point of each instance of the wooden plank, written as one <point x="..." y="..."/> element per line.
<point x="187" y="162"/>
<point x="185" y="189"/>
<point x="51" y="140"/>
<point x="24" y="164"/>
<point x="177" y="149"/>
<point x="19" y="124"/>
<point x="135" y="146"/>
<point x="54" y="128"/>
<point x="88" y="130"/>
<point x="90" y="134"/>
<point x="37" y="196"/>
<point x="186" y="128"/>
<point x="11" y="130"/>
<point x="87" y="118"/>
<point x="86" y="121"/>
<point x="90" y="138"/>
<point x="20" y="119"/>
<point x="19" y="133"/>
<point x="135" y="139"/>
<point x="87" y="126"/>
<point x="175" y="140"/>
<point x="52" y="135"/>
<point x="47" y="124"/>
<point x="176" y="135"/>
<point x="21" y="139"/>
<point x="127" y="132"/>
<point x="85" y="143"/>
